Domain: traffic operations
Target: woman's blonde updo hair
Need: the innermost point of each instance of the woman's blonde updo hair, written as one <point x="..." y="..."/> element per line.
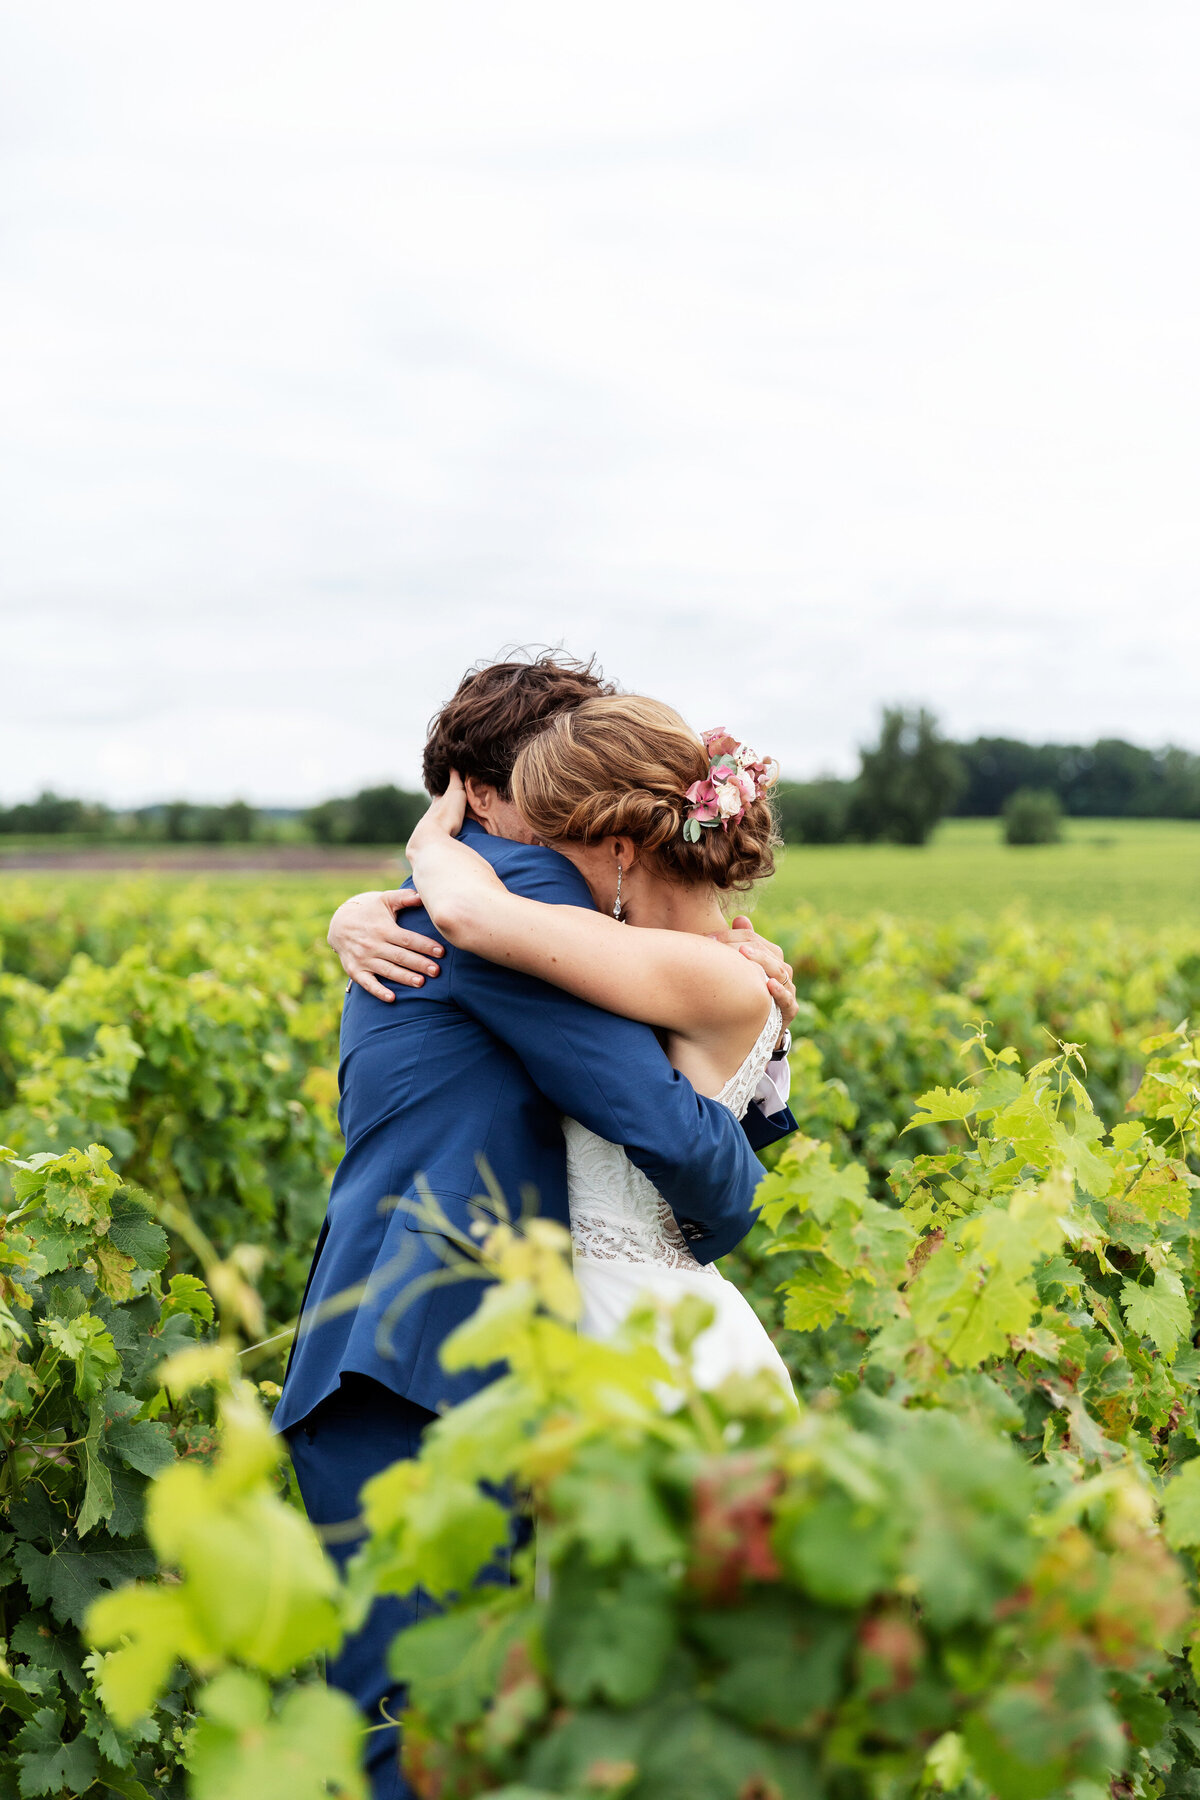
<point x="620" y="765"/>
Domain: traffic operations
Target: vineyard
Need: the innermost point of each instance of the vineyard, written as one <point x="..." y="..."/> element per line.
<point x="968" y="1566"/>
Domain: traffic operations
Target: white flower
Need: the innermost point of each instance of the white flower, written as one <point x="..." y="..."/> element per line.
<point x="730" y="800"/>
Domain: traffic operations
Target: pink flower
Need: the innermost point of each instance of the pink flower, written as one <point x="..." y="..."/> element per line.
<point x="719" y="742"/>
<point x="703" y="797"/>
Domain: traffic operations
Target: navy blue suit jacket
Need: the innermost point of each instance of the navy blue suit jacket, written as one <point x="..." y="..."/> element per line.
<point x="481" y="1064"/>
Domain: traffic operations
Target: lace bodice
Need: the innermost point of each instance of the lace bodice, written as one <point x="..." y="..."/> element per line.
<point x="617" y="1215"/>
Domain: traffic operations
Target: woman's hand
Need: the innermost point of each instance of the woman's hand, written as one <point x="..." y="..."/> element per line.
<point x="372" y="948"/>
<point x="770" y="959"/>
<point x="443" y="818"/>
<point x="455" y="883"/>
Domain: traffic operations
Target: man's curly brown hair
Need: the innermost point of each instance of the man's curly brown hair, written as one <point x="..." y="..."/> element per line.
<point x="496" y="708"/>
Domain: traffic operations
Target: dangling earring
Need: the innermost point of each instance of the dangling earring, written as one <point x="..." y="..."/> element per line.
<point x="617" y="914"/>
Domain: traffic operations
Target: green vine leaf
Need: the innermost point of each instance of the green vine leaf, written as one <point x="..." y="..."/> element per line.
<point x="47" y="1764"/>
<point x="98" y="1492"/>
<point x="1160" y="1311"/>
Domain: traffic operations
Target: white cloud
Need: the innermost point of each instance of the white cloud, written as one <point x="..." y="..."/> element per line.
<point x="345" y="344"/>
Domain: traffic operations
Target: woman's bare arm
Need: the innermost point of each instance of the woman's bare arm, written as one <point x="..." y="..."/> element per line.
<point x="673" y="979"/>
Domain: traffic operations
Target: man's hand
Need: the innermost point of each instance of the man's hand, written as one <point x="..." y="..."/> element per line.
<point x="769" y="958"/>
<point x="370" y="944"/>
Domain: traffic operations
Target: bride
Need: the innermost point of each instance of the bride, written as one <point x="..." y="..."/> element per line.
<point x="660" y="823"/>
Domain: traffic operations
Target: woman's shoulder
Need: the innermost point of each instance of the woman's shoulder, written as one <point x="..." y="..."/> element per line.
<point x="740" y="983"/>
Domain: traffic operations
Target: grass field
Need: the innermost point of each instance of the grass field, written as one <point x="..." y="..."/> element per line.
<point x="1137" y="871"/>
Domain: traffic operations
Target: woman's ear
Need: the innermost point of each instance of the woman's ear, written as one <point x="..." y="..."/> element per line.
<point x="624" y="851"/>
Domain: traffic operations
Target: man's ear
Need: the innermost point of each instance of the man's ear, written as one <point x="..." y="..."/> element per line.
<point x="481" y="797"/>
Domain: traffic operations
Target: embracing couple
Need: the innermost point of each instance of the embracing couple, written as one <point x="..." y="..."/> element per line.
<point x="572" y="1015"/>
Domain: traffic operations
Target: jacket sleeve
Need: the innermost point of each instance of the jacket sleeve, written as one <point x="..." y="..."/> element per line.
<point x="613" y="1075"/>
<point x="764" y="1128"/>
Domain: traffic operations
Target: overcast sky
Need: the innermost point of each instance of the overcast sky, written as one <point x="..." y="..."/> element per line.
<point x="792" y="357"/>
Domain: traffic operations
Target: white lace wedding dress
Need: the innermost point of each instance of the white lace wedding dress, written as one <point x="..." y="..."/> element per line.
<point x="627" y="1244"/>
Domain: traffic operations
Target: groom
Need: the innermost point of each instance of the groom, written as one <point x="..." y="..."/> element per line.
<point x="476" y="1066"/>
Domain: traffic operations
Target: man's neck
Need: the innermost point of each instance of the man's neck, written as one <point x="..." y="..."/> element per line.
<point x="472" y="818"/>
<point x="501" y="819"/>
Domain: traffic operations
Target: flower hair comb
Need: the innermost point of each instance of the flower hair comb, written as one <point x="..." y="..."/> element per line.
<point x="737" y="777"/>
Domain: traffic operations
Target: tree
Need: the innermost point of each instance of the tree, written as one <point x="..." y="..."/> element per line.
<point x="178" y="818"/>
<point x="232" y="824"/>
<point x="378" y="815"/>
<point x="1180" y="772"/>
<point x="814" y="812"/>
<point x="239" y="822"/>
<point x="328" y="821"/>
<point x="908" y="782"/>
<point x="1032" y="816"/>
<point x="385" y="815"/>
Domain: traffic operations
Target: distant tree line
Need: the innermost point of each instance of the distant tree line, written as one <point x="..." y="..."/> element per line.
<point x="912" y="777"/>
<point x="181" y="823"/>
<point x="174" y="822"/>
<point x="376" y="815"/>
<point x="1106" y="780"/>
<point x="907" y="780"/>
<point x="52" y="814"/>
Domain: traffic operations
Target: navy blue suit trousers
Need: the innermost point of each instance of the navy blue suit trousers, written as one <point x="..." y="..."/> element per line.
<point x="352" y="1435"/>
<point x="346" y="1440"/>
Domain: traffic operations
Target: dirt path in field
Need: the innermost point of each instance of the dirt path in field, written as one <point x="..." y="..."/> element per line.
<point x="302" y="859"/>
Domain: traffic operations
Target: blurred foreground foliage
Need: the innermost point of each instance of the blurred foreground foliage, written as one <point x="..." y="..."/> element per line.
<point x="724" y="1597"/>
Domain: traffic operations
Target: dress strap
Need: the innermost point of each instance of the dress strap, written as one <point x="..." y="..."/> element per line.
<point x="739" y="1089"/>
